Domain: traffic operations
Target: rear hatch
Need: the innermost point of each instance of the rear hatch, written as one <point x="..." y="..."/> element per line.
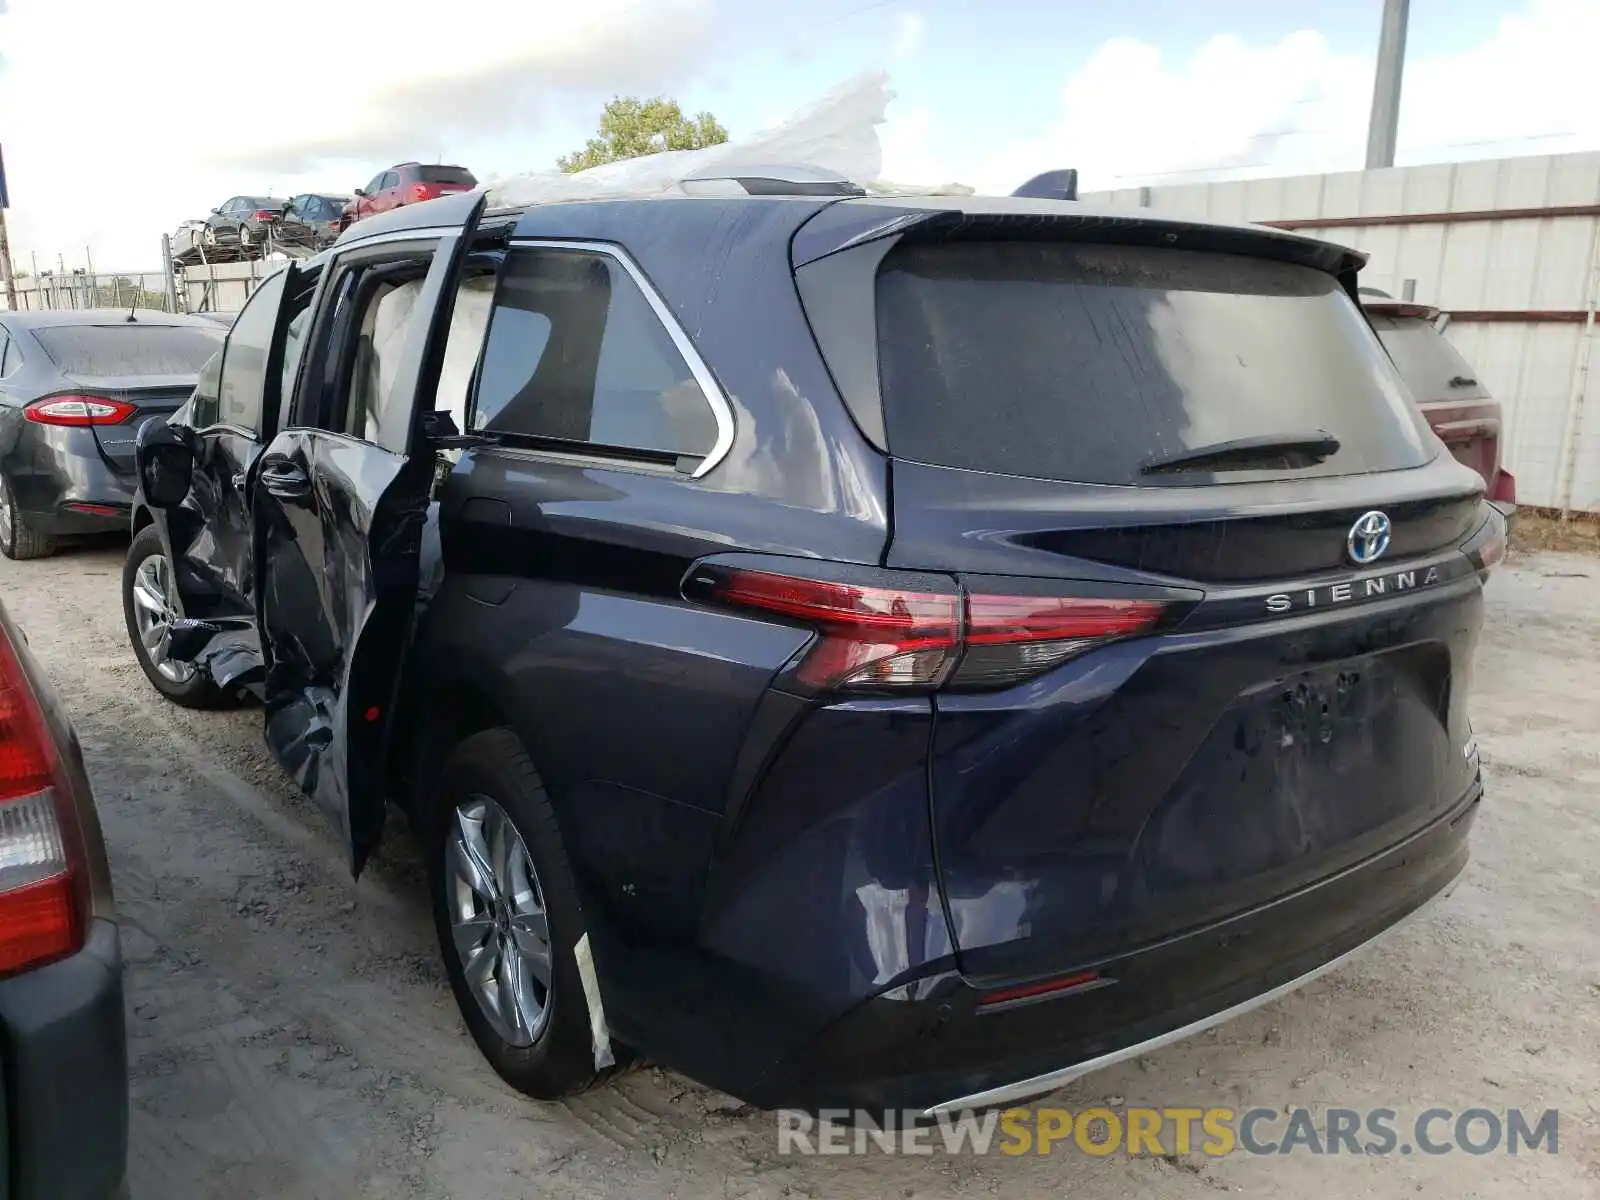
<point x="1458" y="407"/>
<point x="435" y="181"/>
<point x="1218" y="623"/>
<point x="147" y="369"/>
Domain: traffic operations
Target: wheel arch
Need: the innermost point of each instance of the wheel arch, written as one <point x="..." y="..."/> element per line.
<point x="436" y="711"/>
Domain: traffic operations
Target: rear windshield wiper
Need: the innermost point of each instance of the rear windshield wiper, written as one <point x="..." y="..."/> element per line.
<point x="1291" y="451"/>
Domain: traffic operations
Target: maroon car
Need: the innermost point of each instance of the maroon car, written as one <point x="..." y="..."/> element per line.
<point x="1458" y="407"/>
<point x="407" y="183"/>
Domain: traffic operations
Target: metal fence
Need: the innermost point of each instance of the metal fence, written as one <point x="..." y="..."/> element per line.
<point x="81" y="289"/>
<point x="190" y="288"/>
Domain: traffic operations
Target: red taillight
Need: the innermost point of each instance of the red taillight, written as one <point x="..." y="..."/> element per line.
<point x="40" y="901"/>
<point x="420" y="192"/>
<point x="880" y="637"/>
<point x="870" y="636"/>
<point x="79" y="410"/>
<point x="264" y="214"/>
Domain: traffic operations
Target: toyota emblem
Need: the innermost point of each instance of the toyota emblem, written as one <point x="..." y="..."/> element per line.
<point x="1369" y="538"/>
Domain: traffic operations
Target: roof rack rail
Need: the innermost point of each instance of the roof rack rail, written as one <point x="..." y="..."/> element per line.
<point x="791" y="179"/>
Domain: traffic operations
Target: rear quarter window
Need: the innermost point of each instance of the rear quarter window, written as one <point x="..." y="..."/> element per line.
<point x="577" y="354"/>
<point x="1083" y="363"/>
<point x="129" y="348"/>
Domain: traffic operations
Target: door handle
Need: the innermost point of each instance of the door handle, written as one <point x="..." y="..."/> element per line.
<point x="285" y="479"/>
<point x="239" y="481"/>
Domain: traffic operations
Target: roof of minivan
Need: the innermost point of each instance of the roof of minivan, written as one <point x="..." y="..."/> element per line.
<point x="833" y="224"/>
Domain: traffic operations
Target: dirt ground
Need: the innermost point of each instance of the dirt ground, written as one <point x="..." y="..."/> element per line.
<point x="292" y="1034"/>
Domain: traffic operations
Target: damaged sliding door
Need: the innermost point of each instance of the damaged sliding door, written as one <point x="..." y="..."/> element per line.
<point x="340" y="502"/>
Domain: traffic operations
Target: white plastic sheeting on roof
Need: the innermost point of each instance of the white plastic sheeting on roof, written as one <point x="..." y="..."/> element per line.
<point x="838" y="133"/>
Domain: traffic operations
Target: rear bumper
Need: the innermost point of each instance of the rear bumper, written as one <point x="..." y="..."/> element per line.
<point x="64" y="1047"/>
<point x="927" y="1046"/>
<point x="53" y="469"/>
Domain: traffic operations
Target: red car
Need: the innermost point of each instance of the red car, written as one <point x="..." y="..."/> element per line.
<point x="407" y="183"/>
<point x="1458" y="407"/>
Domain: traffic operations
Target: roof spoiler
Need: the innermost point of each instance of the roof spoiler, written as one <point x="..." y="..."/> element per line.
<point x="1060" y="184"/>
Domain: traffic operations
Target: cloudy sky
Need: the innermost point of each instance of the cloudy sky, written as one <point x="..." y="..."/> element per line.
<point x="119" y="118"/>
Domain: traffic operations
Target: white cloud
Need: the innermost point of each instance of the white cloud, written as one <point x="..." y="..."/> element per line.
<point x="1130" y="116"/>
<point x="910" y="32"/>
<point x="171" y="106"/>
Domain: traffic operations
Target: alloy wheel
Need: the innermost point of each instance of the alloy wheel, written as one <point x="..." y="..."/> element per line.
<point x="154" y="609"/>
<point x="498" y="920"/>
<point x="7" y="517"/>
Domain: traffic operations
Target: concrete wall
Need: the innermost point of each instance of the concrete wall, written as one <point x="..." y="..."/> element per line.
<point x="1510" y="246"/>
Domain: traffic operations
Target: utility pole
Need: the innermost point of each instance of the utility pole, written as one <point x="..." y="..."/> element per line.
<point x="5" y="264"/>
<point x="7" y="275"/>
<point x="1386" y="87"/>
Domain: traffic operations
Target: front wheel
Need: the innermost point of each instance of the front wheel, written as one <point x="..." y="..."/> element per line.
<point x="149" y="604"/>
<point x="509" y="921"/>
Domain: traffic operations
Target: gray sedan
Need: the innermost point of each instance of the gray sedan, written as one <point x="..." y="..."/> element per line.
<point x="75" y="388"/>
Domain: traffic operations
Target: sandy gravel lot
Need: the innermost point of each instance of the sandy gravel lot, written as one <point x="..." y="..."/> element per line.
<point x="292" y="1034"/>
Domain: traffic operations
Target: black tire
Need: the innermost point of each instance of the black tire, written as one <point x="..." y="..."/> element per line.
<point x="197" y="691"/>
<point x="560" y="1061"/>
<point x="22" y="540"/>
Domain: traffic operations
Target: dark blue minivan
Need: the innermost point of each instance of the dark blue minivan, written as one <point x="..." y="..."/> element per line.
<point x="859" y="651"/>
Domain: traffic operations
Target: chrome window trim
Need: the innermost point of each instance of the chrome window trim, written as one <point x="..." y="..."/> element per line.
<point x="721" y="410"/>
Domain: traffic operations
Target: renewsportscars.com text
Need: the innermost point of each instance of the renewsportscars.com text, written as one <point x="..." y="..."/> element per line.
<point x="1214" y="1132"/>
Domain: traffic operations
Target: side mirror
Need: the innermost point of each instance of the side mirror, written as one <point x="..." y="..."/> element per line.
<point x="165" y="457"/>
<point x="360" y="192"/>
<point x="216" y="212"/>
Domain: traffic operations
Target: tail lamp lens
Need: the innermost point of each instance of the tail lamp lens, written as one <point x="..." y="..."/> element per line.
<point x="893" y="638"/>
<point x="870" y="636"/>
<point x="1010" y="638"/>
<point x="79" y="410"/>
<point x="40" y="909"/>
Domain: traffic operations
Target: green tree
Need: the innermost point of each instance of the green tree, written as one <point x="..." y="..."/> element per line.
<point x="630" y="127"/>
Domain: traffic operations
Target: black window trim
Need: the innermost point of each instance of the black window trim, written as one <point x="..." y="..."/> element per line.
<point x="580" y="449"/>
<point x="9" y="346"/>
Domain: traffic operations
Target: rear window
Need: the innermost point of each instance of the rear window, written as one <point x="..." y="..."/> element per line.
<point x="1427" y="362"/>
<point x="458" y="175"/>
<point x="130" y="348"/>
<point x="1084" y="363"/>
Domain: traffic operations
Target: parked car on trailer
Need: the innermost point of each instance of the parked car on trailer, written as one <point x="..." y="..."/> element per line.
<point x="774" y="670"/>
<point x="243" y="222"/>
<point x="65" y="1085"/>
<point x="311" y="220"/>
<point x="1458" y="407"/>
<point x="407" y="183"/>
<point x="75" y="389"/>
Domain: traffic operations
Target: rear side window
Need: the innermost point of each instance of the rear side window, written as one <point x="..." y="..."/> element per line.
<point x="452" y="175"/>
<point x="1085" y="363"/>
<point x="1430" y="365"/>
<point x="577" y="354"/>
<point x="129" y="348"/>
